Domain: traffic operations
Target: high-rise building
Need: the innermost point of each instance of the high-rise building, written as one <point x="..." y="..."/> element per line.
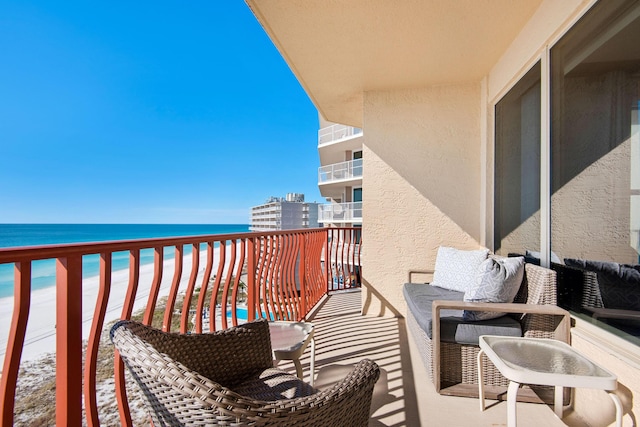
<point x="340" y="174"/>
<point x="284" y="213"/>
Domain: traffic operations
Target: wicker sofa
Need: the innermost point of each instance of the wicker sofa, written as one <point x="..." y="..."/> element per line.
<point x="448" y="344"/>
<point x="227" y="378"/>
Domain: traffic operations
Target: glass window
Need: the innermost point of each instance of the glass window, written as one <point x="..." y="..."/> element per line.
<point x="357" y="163"/>
<point x="517" y="167"/>
<point x="357" y="202"/>
<point x="595" y="165"/>
<point x="357" y="194"/>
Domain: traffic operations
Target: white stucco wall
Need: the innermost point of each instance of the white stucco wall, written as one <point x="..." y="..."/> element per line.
<point x="422" y="184"/>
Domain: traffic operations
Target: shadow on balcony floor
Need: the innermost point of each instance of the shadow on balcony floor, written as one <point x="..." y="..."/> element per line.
<point x="344" y="337"/>
<point x="404" y="394"/>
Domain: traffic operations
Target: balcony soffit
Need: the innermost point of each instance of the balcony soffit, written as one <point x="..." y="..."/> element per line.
<point x="340" y="184"/>
<point x="337" y="191"/>
<point x="340" y="49"/>
<point x="335" y="153"/>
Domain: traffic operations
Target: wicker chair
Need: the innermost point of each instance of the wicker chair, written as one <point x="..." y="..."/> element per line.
<point x="227" y="378"/>
<point x="453" y="366"/>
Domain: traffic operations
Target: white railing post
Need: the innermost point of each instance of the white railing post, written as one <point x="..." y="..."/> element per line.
<point x="335" y="132"/>
<point x="340" y="171"/>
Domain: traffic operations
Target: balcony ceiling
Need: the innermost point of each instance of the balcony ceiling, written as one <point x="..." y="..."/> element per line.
<point x="335" y="190"/>
<point x="335" y="152"/>
<point x="340" y="49"/>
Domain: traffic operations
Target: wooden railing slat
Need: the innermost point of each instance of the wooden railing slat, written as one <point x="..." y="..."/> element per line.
<point x="11" y="365"/>
<point x="69" y="341"/>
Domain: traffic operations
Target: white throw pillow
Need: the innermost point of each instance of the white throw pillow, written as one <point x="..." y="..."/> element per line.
<point x="497" y="280"/>
<point x="456" y="269"/>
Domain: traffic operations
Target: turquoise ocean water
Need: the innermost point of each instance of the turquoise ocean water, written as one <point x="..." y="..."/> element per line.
<point x="43" y="272"/>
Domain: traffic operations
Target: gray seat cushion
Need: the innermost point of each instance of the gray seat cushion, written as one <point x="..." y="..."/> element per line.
<point x="453" y="328"/>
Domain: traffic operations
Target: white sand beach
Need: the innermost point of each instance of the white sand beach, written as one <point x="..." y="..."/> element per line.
<point x="41" y="338"/>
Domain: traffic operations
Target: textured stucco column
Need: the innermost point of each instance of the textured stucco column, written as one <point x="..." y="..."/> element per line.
<point x="421" y="184"/>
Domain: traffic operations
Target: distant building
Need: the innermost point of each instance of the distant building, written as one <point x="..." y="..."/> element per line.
<point x="278" y="213"/>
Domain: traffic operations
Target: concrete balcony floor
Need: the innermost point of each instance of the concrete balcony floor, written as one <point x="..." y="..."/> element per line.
<point x="404" y="394"/>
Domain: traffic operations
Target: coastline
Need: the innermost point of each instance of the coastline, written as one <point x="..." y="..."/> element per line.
<point x="40" y="336"/>
<point x="14" y="236"/>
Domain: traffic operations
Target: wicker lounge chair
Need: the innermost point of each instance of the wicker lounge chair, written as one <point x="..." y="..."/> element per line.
<point x="453" y="365"/>
<point x="227" y="378"/>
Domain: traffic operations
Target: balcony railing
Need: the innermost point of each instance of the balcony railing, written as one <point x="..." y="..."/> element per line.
<point x="278" y="275"/>
<point x="336" y="132"/>
<point x="351" y="169"/>
<point x="345" y="269"/>
<point x="340" y="212"/>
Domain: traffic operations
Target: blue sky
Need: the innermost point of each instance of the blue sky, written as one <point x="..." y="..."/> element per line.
<point x="146" y="112"/>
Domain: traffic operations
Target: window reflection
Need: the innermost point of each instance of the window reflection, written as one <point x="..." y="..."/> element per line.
<point x="595" y="166"/>
<point x="517" y="167"/>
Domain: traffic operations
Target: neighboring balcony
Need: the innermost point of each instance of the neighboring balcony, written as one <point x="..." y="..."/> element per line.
<point x="336" y="133"/>
<point x="350" y="212"/>
<point x="266" y="216"/>
<point x="258" y="225"/>
<point x="340" y="172"/>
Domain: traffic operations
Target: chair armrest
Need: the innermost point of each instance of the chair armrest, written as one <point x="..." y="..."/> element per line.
<point x="499" y="307"/>
<point x="563" y="331"/>
<point x="347" y="402"/>
<point x="412" y="272"/>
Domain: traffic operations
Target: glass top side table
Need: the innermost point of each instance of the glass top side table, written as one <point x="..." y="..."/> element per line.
<point x="543" y="362"/>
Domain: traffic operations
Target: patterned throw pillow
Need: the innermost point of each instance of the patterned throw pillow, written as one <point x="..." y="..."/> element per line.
<point x="497" y="280"/>
<point x="456" y="269"/>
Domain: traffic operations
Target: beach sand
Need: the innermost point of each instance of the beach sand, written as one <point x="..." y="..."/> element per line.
<point x="41" y="337"/>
